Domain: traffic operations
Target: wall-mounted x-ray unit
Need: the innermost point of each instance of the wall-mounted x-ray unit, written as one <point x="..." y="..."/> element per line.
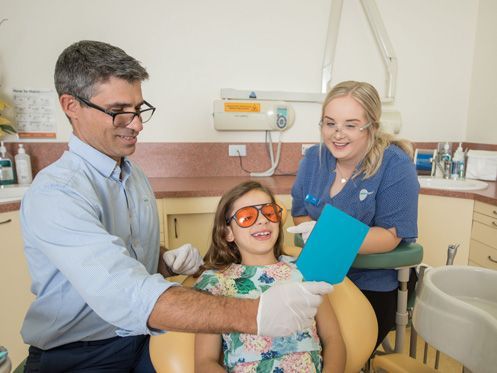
<point x="391" y="118"/>
<point x="252" y="115"/>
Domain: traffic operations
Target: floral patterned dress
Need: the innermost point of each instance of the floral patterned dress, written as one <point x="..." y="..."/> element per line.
<point x="300" y="352"/>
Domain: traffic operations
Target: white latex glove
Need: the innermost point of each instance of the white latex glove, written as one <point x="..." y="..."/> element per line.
<point x="304" y="228"/>
<point x="289" y="307"/>
<point x="185" y="260"/>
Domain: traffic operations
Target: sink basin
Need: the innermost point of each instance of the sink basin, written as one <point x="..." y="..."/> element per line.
<point x="450" y="184"/>
<point x="14" y="192"/>
<point x="456" y="312"/>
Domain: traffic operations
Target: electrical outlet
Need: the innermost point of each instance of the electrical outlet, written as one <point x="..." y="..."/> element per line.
<point x="237" y="150"/>
<point x="305" y="147"/>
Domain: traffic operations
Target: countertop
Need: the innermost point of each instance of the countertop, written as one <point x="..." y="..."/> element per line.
<point x="174" y="187"/>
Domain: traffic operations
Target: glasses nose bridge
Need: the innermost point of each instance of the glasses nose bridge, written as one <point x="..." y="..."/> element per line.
<point x="339" y="128"/>
<point x="261" y="218"/>
<point x="134" y="121"/>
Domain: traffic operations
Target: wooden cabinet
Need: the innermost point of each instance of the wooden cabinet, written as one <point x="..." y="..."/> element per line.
<point x="443" y="221"/>
<point x="15" y="284"/>
<point x="483" y="251"/>
<point x="160" y="211"/>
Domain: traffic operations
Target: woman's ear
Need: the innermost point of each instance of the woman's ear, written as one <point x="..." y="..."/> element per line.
<point x="228" y="234"/>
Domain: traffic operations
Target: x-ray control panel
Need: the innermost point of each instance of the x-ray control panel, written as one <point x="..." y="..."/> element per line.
<point x="252" y="115"/>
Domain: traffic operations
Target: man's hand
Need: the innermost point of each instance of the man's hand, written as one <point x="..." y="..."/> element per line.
<point x="304" y="228"/>
<point x="289" y="307"/>
<point x="185" y="260"/>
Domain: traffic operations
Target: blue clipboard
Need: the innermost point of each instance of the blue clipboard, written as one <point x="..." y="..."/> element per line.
<point x="332" y="246"/>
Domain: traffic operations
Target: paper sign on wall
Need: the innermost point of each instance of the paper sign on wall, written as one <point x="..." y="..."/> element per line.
<point x="35" y="113"/>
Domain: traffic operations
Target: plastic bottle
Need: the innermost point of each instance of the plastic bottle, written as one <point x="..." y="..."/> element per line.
<point x="23" y="166"/>
<point x="446" y="161"/>
<point x="7" y="175"/>
<point x="458" y="163"/>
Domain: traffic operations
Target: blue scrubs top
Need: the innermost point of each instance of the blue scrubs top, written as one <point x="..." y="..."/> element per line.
<point x="387" y="199"/>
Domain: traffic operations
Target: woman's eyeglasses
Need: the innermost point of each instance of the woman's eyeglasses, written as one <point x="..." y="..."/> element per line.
<point x="122" y="118"/>
<point x="248" y="215"/>
<point x="347" y="128"/>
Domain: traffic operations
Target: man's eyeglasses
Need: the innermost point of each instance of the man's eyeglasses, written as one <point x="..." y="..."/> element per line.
<point x="122" y="118"/>
<point x="348" y="128"/>
<point x="248" y="215"/>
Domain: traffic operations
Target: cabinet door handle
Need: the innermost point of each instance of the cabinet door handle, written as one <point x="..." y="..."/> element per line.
<point x="492" y="259"/>
<point x="6" y="221"/>
<point x="494" y="223"/>
<point x="175" y="228"/>
<point x="495" y="212"/>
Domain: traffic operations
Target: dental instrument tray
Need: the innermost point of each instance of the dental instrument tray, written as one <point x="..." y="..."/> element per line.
<point x="332" y="246"/>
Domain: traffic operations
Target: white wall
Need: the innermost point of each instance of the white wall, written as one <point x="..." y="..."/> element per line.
<point x="482" y="118"/>
<point x="193" y="48"/>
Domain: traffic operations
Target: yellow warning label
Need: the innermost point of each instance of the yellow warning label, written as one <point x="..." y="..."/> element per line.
<point x="242" y="107"/>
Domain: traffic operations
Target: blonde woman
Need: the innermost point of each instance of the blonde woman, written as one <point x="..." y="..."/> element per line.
<point x="368" y="174"/>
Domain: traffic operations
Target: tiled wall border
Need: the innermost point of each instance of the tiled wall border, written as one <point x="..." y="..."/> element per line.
<point x="200" y="159"/>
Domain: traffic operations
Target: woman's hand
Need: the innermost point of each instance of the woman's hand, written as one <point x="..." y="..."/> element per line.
<point x="304" y="228"/>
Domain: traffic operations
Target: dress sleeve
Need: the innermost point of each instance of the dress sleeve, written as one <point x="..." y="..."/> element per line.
<point x="397" y="199"/>
<point x="209" y="282"/>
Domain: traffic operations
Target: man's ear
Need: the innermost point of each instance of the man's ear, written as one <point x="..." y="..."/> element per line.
<point x="230" y="237"/>
<point x="70" y="106"/>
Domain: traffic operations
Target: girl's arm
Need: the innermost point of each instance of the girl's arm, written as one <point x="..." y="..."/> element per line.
<point x="334" y="353"/>
<point x="208" y="353"/>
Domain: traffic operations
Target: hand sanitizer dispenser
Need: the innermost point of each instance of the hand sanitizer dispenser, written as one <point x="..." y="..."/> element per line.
<point x="6" y="167"/>
<point x="23" y="166"/>
<point x="458" y="163"/>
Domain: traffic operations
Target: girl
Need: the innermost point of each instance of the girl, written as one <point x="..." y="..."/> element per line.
<point x="245" y="259"/>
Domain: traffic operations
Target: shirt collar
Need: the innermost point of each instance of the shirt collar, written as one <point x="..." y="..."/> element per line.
<point x="98" y="160"/>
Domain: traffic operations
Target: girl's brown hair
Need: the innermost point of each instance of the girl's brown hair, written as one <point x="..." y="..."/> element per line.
<point x="378" y="140"/>
<point x="221" y="253"/>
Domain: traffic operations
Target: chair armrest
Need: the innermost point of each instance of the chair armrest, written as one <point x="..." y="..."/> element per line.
<point x="404" y="255"/>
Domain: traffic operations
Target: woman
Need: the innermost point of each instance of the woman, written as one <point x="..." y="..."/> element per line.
<point x="368" y="174"/>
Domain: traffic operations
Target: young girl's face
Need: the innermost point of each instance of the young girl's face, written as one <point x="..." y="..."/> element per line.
<point x="255" y="243"/>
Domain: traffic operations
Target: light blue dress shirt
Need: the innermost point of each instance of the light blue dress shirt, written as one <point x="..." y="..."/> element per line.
<point x="91" y="234"/>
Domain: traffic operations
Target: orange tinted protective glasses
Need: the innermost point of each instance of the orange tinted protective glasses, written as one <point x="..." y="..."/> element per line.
<point x="248" y="215"/>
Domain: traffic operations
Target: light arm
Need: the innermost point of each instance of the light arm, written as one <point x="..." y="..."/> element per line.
<point x="188" y="310"/>
<point x="380" y="240"/>
<point x="334" y="352"/>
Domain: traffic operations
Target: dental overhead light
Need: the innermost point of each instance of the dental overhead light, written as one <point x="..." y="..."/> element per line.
<point x="246" y="110"/>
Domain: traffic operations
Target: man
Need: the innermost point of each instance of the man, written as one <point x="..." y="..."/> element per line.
<point x="92" y="239"/>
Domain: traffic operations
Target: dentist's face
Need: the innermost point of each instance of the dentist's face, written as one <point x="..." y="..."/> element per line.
<point x="345" y="129"/>
<point x="96" y="128"/>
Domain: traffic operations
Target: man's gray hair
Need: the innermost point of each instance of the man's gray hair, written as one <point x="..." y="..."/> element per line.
<point x="84" y="64"/>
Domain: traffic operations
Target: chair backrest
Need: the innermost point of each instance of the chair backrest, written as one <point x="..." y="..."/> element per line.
<point x="174" y="352"/>
<point x="357" y="323"/>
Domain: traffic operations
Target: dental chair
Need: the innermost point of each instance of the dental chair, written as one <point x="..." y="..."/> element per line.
<point x="402" y="258"/>
<point x="174" y="352"/>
